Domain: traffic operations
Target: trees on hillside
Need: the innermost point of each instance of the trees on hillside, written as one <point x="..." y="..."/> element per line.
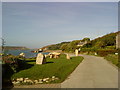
<point x="85" y="39"/>
<point x="98" y="43"/>
<point x="63" y="47"/>
<point x="3" y="43"/>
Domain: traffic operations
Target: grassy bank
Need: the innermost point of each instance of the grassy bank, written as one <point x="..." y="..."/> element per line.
<point x="60" y="68"/>
<point x="113" y="59"/>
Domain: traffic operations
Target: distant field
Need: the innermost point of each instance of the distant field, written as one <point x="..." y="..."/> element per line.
<point x="60" y="68"/>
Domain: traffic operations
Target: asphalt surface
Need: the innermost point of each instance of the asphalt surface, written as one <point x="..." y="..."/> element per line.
<point x="93" y="72"/>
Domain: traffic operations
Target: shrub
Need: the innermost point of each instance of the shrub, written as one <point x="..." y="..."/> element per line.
<point x="110" y="47"/>
<point x="105" y="52"/>
<point x="88" y="49"/>
<point x="14" y="62"/>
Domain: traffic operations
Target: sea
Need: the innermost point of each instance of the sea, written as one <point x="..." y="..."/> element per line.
<point x="28" y="53"/>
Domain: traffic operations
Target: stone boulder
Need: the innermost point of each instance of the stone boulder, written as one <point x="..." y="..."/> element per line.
<point x="54" y="55"/>
<point x="40" y="59"/>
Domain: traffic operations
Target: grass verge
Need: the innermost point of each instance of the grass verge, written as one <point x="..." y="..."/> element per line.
<point x="113" y="59"/>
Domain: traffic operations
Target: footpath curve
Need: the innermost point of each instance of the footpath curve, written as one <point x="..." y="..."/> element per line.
<point x="93" y="72"/>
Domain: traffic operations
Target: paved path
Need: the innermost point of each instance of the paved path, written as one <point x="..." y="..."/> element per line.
<point x="93" y="72"/>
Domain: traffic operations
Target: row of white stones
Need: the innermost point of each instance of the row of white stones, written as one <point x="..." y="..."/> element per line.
<point x="29" y="81"/>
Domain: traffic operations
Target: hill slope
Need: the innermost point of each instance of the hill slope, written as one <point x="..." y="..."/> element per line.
<point x="106" y="41"/>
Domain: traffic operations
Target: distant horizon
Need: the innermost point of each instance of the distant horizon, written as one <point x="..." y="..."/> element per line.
<point x="38" y="24"/>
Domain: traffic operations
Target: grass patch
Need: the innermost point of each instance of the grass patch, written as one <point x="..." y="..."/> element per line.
<point x="60" y="68"/>
<point x="112" y="58"/>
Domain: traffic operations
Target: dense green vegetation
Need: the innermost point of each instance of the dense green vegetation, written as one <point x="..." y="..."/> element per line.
<point x="65" y="46"/>
<point x="60" y="68"/>
<point x="113" y="59"/>
<point x="57" y="46"/>
<point x="105" y="42"/>
<point x="70" y="47"/>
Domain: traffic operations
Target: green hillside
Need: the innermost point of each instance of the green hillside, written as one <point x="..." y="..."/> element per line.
<point x="107" y="41"/>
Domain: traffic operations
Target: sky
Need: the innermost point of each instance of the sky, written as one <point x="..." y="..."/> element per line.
<point x="37" y="24"/>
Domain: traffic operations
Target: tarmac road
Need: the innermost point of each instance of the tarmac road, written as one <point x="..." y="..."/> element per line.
<point x="93" y="72"/>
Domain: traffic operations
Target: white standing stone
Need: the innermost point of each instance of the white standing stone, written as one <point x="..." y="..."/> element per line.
<point x="40" y="59"/>
<point x="76" y="52"/>
<point x="95" y="53"/>
<point x="67" y="56"/>
<point x="51" y="56"/>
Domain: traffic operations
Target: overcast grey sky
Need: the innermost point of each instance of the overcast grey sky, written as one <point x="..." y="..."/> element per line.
<point x="36" y="24"/>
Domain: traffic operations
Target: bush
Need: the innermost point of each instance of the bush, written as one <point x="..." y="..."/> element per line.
<point x="11" y="64"/>
<point x="10" y="61"/>
<point x="88" y="49"/>
<point x="105" y="52"/>
<point x="110" y="47"/>
<point x="14" y="62"/>
<point x="100" y="52"/>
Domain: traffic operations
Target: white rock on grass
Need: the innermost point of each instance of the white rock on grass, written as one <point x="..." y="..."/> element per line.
<point x="53" y="76"/>
<point x="25" y="81"/>
<point x="13" y="82"/>
<point x="53" y="79"/>
<point x="44" y="79"/>
<point x="20" y="79"/>
<point x="47" y="81"/>
<point x="40" y="80"/>
<point x="17" y="82"/>
<point x="28" y="81"/>
<point x="26" y="78"/>
<point x="56" y="78"/>
<point x="17" y="79"/>
<point x="35" y="81"/>
<point x="47" y="78"/>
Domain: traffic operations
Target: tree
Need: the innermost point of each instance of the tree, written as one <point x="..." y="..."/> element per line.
<point x="100" y="44"/>
<point x="86" y="39"/>
<point x="72" y="45"/>
<point x="3" y="43"/>
<point x="63" y="46"/>
<point x="88" y="45"/>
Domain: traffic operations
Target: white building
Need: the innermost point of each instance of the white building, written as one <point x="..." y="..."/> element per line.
<point x="82" y="43"/>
